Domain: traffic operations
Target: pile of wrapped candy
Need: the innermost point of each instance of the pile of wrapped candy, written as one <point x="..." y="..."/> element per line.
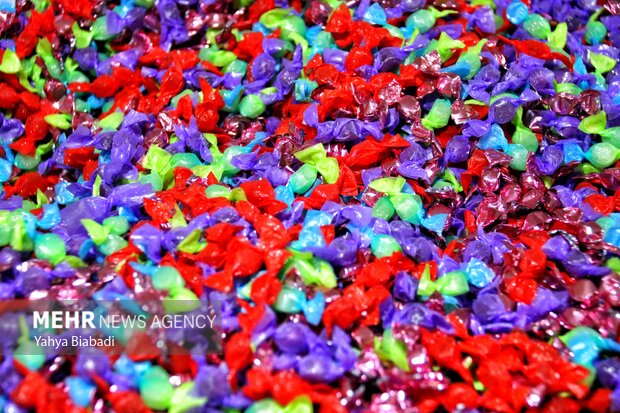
<point x="402" y="205"/>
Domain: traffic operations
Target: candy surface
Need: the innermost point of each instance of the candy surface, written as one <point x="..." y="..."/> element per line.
<point x="401" y="206"/>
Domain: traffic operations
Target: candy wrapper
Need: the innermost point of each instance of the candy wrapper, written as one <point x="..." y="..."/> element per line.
<point x="385" y="206"/>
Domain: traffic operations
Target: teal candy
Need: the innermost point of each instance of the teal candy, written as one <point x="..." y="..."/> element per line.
<point x="537" y="26"/>
<point x="6" y="168"/>
<point x="595" y="32"/>
<point x="519" y="157"/>
<point x="313" y="310"/>
<point x="81" y="391"/>
<point x="602" y="155"/>
<point x="478" y="273"/>
<point x="423" y="20"/>
<point x="383" y="209"/>
<point x="384" y="245"/>
<point x="435" y="223"/>
<point x="290" y="301"/>
<point x="30" y="355"/>
<point x="375" y="15"/>
<point x="155" y="388"/>
<point x="612" y="236"/>
<point x="167" y="278"/>
<point x="185" y="160"/>
<point x="50" y="218"/>
<point x="494" y="139"/>
<point x="321" y="41"/>
<point x="251" y="106"/>
<point x="303" y="89"/>
<point x="586" y="344"/>
<point x="26" y="162"/>
<point x="408" y="207"/>
<point x="572" y="152"/>
<point x="154" y="179"/>
<point x="112" y="244"/>
<point x="50" y="247"/>
<point x="285" y="194"/>
<point x="303" y="179"/>
<point x="516" y="12"/>
<point x="117" y="224"/>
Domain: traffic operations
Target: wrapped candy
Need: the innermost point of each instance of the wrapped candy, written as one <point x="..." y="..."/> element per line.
<point x="399" y="206"/>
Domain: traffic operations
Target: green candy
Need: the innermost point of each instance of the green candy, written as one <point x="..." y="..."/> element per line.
<point x="181" y="300"/>
<point x="50" y="247"/>
<point x="408" y="207"/>
<point x="383" y="209"/>
<point x="614" y="264"/>
<point x="59" y="120"/>
<point x="251" y="106"/>
<point x="611" y="135"/>
<point x="154" y="179"/>
<point x="219" y="58"/>
<point x="568" y="88"/>
<point x="112" y="244"/>
<point x="167" y="278"/>
<point x="384" y="245"/>
<point x="426" y="286"/>
<point x="192" y="244"/>
<point x="182" y="399"/>
<point x="557" y="39"/>
<point x="265" y="406"/>
<point x="594" y="123"/>
<point x="472" y="58"/>
<point x="155" y="388"/>
<point x="237" y="66"/>
<point x="292" y="24"/>
<point x="112" y="121"/>
<point x="329" y="169"/>
<point x="157" y="159"/>
<point x="525" y="137"/>
<point x="117" y="225"/>
<point x="217" y="191"/>
<point x="390" y="349"/>
<point x="301" y="404"/>
<point x="312" y="154"/>
<point x="453" y="284"/>
<point x="10" y="62"/>
<point x="389" y="186"/>
<point x="97" y="232"/>
<point x="303" y="179"/>
<point x="82" y="37"/>
<point x="28" y="352"/>
<point x="602" y="63"/>
<point x="284" y="20"/>
<point x="315" y="271"/>
<point x="445" y="44"/>
<point x="439" y="115"/>
<point x="603" y="155"/>
<point x="537" y="26"/>
<point x="100" y="29"/>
